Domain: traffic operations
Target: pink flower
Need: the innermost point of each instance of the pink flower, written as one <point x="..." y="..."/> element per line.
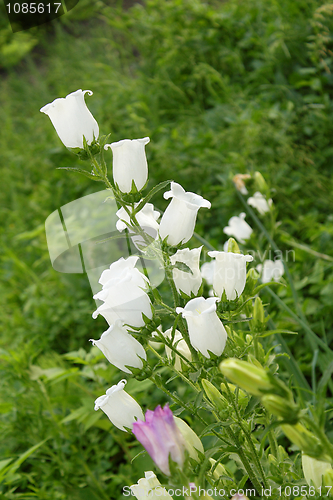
<point x="161" y="437"/>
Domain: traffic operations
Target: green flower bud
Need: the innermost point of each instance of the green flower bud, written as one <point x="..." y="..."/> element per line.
<point x="281" y="407"/>
<point x="258" y="321"/>
<point x="314" y="470"/>
<point x="304" y="439"/>
<point x="233" y="246"/>
<point x="214" y="395"/>
<point x="260" y="182"/>
<point x="328" y="480"/>
<point x="251" y="378"/>
<point x="218" y="471"/>
<point x="251" y="278"/>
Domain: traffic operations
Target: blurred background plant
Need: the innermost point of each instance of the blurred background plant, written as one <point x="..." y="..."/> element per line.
<point x="221" y="89"/>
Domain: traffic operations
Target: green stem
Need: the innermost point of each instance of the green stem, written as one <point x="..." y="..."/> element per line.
<point x="244" y="460"/>
<point x="175" y="295"/>
<point x="180" y="374"/>
<point x="255" y="456"/>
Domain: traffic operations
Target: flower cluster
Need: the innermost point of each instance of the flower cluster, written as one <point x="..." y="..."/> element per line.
<point x="193" y="330"/>
<point x="124" y="297"/>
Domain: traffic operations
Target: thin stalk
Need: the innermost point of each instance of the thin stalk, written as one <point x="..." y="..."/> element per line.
<point x="255" y="456"/>
<point x="180" y="374"/>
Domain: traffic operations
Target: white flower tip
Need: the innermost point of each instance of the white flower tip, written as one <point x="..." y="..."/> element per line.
<point x="107" y="146"/>
<point x="205" y="203"/>
<point x="89" y="92"/>
<point x="179" y="310"/>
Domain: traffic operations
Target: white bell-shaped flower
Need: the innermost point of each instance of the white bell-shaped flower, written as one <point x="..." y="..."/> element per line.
<point x="207" y="271"/>
<point x="129" y="163"/>
<point x="205" y="329"/>
<point x="119" y="406"/>
<point x="270" y="270"/>
<point x="238" y="228"/>
<point x="149" y="488"/>
<point x="181" y="346"/>
<point x="185" y="281"/>
<point x="178" y="221"/>
<point x="72" y="119"/>
<point x="230" y="273"/>
<point x="259" y="202"/>
<point x="147" y="217"/>
<point x="120" y="348"/>
<point x="147" y="220"/>
<point x="123" y="293"/>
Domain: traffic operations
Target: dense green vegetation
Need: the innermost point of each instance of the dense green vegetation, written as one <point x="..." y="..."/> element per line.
<point x="220" y="88"/>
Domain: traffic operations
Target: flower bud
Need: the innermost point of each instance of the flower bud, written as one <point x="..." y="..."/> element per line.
<point x="214" y="395"/>
<point x="233" y="246"/>
<point x="217" y="471"/>
<point x="252" y="278"/>
<point x="328" y="480"/>
<point x="258" y="321"/>
<point x="260" y="182"/>
<point x="281" y="407"/>
<point x="192" y="442"/>
<point x="314" y="470"/>
<point x="252" y="379"/>
<point x="304" y="439"/>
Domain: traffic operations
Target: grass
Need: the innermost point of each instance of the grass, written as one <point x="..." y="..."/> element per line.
<point x="220" y="88"/>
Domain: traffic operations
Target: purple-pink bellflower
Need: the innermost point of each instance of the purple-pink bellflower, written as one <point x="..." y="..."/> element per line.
<point x="161" y="437"/>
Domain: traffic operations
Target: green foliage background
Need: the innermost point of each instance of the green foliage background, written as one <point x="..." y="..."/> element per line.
<point x="220" y="88"/>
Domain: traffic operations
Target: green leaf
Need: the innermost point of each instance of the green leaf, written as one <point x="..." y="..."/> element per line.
<point x="272" y="332"/>
<point x="83" y="172"/>
<point x="182" y="267"/>
<point x="325" y="378"/>
<point x="151" y="193"/>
